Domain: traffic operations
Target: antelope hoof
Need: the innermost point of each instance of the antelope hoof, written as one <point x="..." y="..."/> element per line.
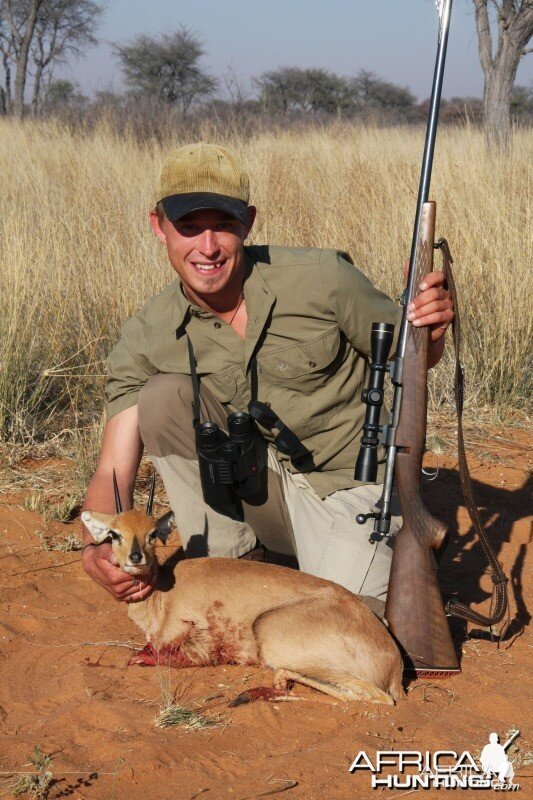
<point x="261" y="693"/>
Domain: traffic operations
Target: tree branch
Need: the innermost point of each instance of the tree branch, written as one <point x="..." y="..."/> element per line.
<point x="484" y="35"/>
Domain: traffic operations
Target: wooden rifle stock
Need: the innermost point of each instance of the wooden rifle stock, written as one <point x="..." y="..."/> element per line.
<point x="414" y="608"/>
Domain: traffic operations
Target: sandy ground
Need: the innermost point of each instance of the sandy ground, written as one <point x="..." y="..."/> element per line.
<point x="66" y="686"/>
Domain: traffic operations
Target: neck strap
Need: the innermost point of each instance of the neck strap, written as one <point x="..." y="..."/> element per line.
<point x="195" y="385"/>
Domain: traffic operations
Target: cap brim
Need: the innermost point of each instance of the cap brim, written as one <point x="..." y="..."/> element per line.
<point x="178" y="205"/>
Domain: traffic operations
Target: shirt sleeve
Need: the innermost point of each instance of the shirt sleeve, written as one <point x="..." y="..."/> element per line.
<point x="128" y="369"/>
<point x="356" y="302"/>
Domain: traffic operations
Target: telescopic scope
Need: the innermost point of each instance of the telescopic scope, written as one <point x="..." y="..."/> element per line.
<point x="366" y="467"/>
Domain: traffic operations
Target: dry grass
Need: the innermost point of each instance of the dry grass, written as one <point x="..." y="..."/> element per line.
<point x="79" y="257"/>
<point x="36" y="783"/>
<point x="173" y="716"/>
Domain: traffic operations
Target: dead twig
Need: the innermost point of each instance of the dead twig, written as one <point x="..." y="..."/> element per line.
<point x="50" y="566"/>
<point x="269" y="791"/>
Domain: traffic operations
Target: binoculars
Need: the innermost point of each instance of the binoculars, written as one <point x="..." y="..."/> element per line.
<point x="228" y="462"/>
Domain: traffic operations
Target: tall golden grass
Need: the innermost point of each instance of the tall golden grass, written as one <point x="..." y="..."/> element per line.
<point x="78" y="256"/>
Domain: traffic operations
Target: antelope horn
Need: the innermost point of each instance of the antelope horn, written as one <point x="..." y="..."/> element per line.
<point x="151" y="497"/>
<point x="118" y="504"/>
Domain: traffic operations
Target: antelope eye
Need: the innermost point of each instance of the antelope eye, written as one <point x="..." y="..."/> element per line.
<point x="153" y="534"/>
<point x="115" y="536"/>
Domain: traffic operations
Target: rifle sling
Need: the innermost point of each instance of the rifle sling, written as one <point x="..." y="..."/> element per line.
<point x="455" y="608"/>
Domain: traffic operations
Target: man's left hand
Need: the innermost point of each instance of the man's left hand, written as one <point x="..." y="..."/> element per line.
<point x="433" y="306"/>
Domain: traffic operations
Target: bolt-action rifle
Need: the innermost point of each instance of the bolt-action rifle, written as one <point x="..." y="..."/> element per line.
<point x="414" y="608"/>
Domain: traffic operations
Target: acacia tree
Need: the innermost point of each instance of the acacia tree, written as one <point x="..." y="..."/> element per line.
<point x="372" y="93"/>
<point x="316" y="90"/>
<point x="309" y="90"/>
<point x="40" y="32"/>
<point x="500" y="59"/>
<point x="167" y="68"/>
<point x="63" y="26"/>
<point x="18" y="20"/>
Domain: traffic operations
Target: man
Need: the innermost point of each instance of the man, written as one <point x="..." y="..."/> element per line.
<point x="494" y="760"/>
<point x="286" y="326"/>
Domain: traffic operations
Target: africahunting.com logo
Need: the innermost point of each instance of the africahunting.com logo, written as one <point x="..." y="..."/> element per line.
<point x="442" y="769"/>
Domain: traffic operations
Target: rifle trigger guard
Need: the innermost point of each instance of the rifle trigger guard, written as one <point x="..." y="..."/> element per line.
<point x="430" y="476"/>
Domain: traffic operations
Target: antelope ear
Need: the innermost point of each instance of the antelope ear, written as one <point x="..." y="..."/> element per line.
<point x="164" y="525"/>
<point x="97" y="524"/>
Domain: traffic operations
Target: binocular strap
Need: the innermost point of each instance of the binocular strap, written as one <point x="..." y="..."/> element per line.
<point x="195" y="385"/>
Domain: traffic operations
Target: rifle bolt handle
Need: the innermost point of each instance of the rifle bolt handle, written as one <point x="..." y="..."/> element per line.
<point x="362" y="518"/>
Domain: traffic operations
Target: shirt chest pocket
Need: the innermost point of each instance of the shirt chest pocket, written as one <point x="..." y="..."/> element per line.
<point x="303" y="365"/>
<point x="223" y="387"/>
<point x="296" y="381"/>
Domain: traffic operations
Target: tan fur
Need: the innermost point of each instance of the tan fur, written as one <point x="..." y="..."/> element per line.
<point x="216" y="610"/>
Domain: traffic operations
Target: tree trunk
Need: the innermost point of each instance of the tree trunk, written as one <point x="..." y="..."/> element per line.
<point x="22" y="59"/>
<point x="514" y="28"/>
<point x="35" y="100"/>
<point x="499" y="81"/>
<point x="7" y="88"/>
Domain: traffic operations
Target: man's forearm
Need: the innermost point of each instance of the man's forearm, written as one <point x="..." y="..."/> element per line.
<point x="435" y="351"/>
<point x="121" y="451"/>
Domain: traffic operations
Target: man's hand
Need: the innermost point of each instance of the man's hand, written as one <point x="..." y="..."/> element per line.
<point x="432" y="307"/>
<point x="100" y="563"/>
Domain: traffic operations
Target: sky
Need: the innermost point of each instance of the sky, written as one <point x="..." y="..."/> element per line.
<point x="396" y="39"/>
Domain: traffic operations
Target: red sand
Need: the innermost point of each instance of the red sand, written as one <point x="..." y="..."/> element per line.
<point x="67" y="687"/>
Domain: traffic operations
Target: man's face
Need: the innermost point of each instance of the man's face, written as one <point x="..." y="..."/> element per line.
<point x="206" y="249"/>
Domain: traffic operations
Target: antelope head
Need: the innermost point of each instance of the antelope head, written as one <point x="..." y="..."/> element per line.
<point x="132" y="534"/>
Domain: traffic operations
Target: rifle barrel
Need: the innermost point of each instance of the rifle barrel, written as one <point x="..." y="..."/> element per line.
<point x="427" y="164"/>
<point x="511" y="739"/>
<point x="382" y="521"/>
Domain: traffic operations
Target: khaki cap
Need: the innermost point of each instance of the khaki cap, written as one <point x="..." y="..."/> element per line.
<point x="199" y="176"/>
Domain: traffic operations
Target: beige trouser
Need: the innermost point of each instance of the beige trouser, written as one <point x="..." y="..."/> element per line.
<point x="287" y="516"/>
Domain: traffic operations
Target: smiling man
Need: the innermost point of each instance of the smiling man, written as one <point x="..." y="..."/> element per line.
<point x="288" y="327"/>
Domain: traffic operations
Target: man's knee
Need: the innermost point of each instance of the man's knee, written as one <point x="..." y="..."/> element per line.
<point x="165" y="415"/>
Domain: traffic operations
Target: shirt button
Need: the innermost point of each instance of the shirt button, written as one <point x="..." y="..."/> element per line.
<point x="218" y="324"/>
<point x="312" y="364"/>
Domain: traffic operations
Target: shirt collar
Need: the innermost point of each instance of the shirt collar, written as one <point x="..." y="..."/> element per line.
<point x="257" y="293"/>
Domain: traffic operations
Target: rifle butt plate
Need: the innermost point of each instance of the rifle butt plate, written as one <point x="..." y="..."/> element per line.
<point x="431" y="673"/>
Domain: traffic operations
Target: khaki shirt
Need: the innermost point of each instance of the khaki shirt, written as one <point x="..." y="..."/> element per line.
<point x="310" y="314"/>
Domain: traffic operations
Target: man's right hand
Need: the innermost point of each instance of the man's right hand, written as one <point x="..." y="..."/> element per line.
<point x="100" y="564"/>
